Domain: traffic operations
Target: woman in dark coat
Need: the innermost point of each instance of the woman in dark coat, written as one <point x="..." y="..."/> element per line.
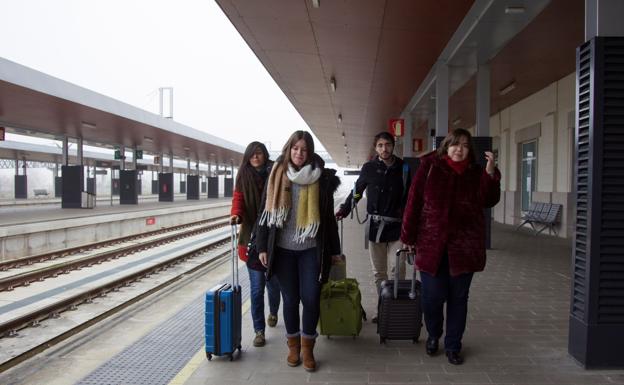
<point x="444" y="222"/>
<point x="250" y="181"/>
<point x="298" y="239"/>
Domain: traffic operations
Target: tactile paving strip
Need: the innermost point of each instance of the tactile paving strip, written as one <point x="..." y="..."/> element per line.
<point x="161" y="354"/>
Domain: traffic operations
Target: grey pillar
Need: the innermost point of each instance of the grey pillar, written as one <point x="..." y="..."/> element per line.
<point x="122" y="158"/>
<point x="94" y="179"/>
<point x="431" y="130"/>
<point x="407" y="136"/>
<point x="442" y="98"/>
<point x="65" y="154"/>
<point x="603" y="18"/>
<point x="79" y="151"/>
<point x="171" y="162"/>
<point x="483" y="100"/>
<point x="134" y="159"/>
<point x="161" y="163"/>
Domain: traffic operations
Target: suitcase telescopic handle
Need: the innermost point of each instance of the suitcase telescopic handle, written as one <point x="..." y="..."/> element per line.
<point x="234" y="248"/>
<point x="412" y="293"/>
<point x="341" y="235"/>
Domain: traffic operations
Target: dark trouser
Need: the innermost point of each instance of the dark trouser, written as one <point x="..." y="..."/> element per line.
<point x="454" y="291"/>
<point x="298" y="274"/>
<point x="257" y="283"/>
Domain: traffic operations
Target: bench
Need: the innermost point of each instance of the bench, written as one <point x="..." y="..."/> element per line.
<point x="40" y="191"/>
<point x="541" y="213"/>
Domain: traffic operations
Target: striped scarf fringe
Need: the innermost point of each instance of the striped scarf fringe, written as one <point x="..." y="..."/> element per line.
<point x="279" y="201"/>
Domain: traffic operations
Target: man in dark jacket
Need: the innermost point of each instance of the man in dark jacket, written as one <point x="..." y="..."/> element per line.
<point x="386" y="181"/>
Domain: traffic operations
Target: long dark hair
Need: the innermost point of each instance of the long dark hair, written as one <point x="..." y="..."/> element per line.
<point x="246" y="169"/>
<point x="296" y="136"/>
<point x="453" y="138"/>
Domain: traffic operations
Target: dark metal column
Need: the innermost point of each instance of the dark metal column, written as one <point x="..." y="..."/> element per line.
<point x="596" y="333"/>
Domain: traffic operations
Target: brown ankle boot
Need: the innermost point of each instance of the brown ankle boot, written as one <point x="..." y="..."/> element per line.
<point x="307" y="351"/>
<point x="294" y="349"/>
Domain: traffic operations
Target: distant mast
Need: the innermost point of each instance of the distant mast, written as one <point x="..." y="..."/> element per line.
<point x="166" y="92"/>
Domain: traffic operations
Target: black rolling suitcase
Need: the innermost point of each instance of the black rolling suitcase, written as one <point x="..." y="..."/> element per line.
<point x="399" y="311"/>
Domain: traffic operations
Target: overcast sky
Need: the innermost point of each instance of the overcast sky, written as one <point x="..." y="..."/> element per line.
<point x="127" y="49"/>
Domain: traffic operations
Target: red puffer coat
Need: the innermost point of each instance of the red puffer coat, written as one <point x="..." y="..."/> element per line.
<point x="445" y="212"/>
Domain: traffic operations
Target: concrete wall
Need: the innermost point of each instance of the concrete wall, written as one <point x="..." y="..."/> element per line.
<point x="37" y="238"/>
<point x="547" y="117"/>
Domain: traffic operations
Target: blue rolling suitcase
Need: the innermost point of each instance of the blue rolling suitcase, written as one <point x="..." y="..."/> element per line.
<point x="223" y="313"/>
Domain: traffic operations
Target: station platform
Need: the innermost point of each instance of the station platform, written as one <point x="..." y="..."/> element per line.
<point x="13" y="216"/>
<point x="516" y="334"/>
<point x="32" y="230"/>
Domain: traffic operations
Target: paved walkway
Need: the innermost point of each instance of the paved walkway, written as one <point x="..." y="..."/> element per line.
<point x="517" y="330"/>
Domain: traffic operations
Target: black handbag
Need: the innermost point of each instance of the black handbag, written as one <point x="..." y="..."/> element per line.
<point x="253" y="257"/>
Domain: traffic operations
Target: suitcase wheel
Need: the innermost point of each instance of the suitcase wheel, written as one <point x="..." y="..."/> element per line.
<point x="414" y="340"/>
<point x="209" y="356"/>
<point x="382" y="340"/>
<point x="231" y="356"/>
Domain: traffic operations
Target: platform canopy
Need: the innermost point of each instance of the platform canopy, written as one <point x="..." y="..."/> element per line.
<point x="349" y="66"/>
<point x="35" y="104"/>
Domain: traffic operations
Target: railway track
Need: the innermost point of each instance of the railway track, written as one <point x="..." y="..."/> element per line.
<point x="26" y="261"/>
<point x="206" y="243"/>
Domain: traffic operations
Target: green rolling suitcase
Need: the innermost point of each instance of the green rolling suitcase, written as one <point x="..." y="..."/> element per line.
<point x="341" y="308"/>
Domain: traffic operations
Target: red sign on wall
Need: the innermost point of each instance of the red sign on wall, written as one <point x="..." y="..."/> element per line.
<point x="1" y="134"/>
<point x="396" y="127"/>
<point x="417" y="145"/>
<point x="150" y="221"/>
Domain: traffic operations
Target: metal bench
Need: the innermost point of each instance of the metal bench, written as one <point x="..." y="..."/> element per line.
<point x="544" y="214"/>
<point x="40" y="191"/>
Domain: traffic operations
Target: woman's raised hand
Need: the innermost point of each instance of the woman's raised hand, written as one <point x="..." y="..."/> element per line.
<point x="234" y="220"/>
<point x="491" y="164"/>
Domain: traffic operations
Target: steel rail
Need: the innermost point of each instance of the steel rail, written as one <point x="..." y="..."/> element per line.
<point x="11" y="327"/>
<point x="24" y="279"/>
<point x="11" y="264"/>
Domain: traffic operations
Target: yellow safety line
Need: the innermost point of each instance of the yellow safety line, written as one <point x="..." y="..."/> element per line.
<point x="199" y="357"/>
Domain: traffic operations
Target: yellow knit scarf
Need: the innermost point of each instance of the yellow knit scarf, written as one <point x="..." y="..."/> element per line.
<point x="279" y="202"/>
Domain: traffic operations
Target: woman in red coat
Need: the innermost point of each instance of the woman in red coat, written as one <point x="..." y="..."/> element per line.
<point x="250" y="181"/>
<point x="444" y="222"/>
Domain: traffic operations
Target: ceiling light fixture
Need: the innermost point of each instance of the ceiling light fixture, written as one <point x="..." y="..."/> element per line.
<point x="507" y="89"/>
<point x="514" y="10"/>
<point x="345" y="145"/>
<point x="88" y="125"/>
<point x="332" y="84"/>
<point x="340" y="121"/>
<point x="148" y="139"/>
<point x="316" y="3"/>
<point x="343" y="135"/>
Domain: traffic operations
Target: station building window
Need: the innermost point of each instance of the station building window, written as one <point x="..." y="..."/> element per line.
<point x="528" y="173"/>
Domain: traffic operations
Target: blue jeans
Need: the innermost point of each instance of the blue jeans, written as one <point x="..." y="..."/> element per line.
<point x="440" y="288"/>
<point x="257" y="283"/>
<point x="298" y="274"/>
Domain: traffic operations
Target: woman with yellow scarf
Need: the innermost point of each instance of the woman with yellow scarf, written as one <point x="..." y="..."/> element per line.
<point x="297" y="239"/>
